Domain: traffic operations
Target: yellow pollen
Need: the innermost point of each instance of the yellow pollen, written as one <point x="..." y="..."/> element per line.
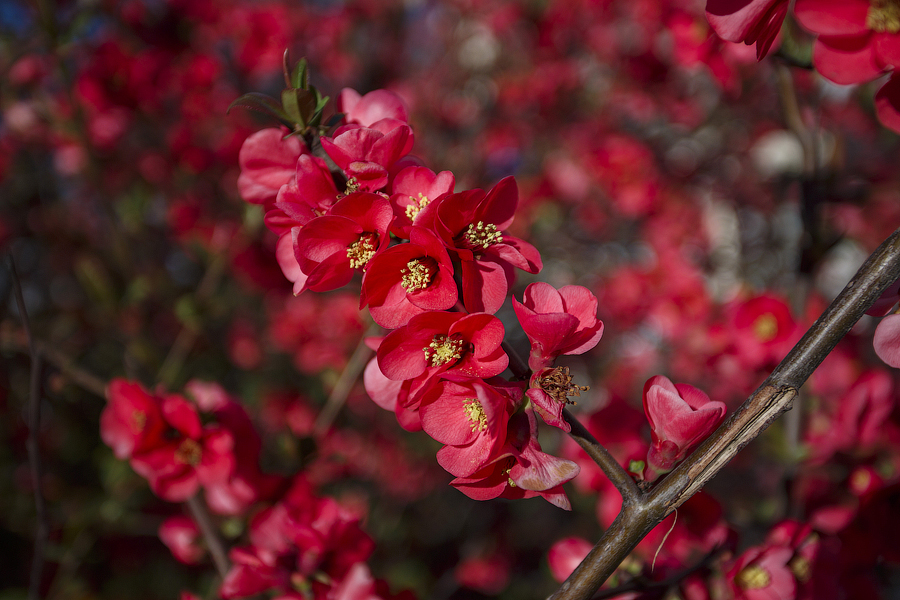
<point x="480" y="235"/>
<point x="189" y="453"/>
<point x="352" y="186"/>
<point x="801" y="568"/>
<point x="360" y="251"/>
<point x="412" y="210"/>
<point x="475" y="413"/>
<point x="765" y="327"/>
<point x="558" y="385"/>
<point x="884" y="16"/>
<point x="753" y="578"/>
<point x="416" y="276"/>
<point x="443" y="350"/>
<point x="138" y="420"/>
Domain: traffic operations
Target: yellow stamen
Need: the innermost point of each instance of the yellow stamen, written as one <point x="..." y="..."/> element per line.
<point x="443" y="350"/>
<point x="412" y="210"/>
<point x="189" y="452"/>
<point x="765" y="327"/>
<point x="360" y="251"/>
<point x="416" y="276"/>
<point x="480" y="235"/>
<point x="884" y="16"/>
<point x="475" y="413"/>
<point x="138" y="420"/>
<point x="753" y="578"/>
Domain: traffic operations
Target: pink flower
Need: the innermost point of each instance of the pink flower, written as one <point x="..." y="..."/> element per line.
<point x="565" y="555"/>
<point x="762" y="573"/>
<point x="182" y="536"/>
<point x="748" y="21"/>
<point x="268" y="161"/>
<point x="558" y="322"/>
<point x="472" y="225"/>
<point x="409" y="279"/>
<point x="366" y="154"/>
<point x="680" y="416"/>
<point x="371" y="108"/>
<point x="413" y="190"/>
<point x="887" y="340"/>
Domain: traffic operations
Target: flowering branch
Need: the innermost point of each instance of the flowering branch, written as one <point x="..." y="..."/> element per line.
<point x="773" y="398"/>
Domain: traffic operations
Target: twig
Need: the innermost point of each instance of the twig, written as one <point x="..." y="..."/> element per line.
<point x="773" y="398"/>
<point x="213" y="541"/>
<point x="42" y="528"/>
<point x="344" y="384"/>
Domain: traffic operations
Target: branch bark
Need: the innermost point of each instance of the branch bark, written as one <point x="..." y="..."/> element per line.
<point x="773" y="398"/>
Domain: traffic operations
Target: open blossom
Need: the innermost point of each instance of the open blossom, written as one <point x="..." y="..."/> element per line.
<point x="132" y="421"/>
<point x="330" y="248"/>
<point x="521" y="470"/>
<point x="558" y="322"/>
<point x="680" y="417"/>
<point x="415" y="193"/>
<point x="470" y="417"/>
<point x="442" y="344"/>
<point x="366" y="154"/>
<point x="371" y="108"/>
<point x="409" y="279"/>
<point x="763" y="573"/>
<point x="472" y="225"/>
<point x="268" y="160"/>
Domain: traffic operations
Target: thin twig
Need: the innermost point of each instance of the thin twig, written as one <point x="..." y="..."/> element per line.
<point x="344" y="384"/>
<point x="773" y="398"/>
<point x="213" y="541"/>
<point x="42" y="528"/>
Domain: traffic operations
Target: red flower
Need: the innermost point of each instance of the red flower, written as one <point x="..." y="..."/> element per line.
<point x="268" y="161"/>
<point x="371" y="108"/>
<point x="680" y="417"/>
<point x="132" y="421"/>
<point x="887" y="340"/>
<point x="522" y="470"/>
<point x="565" y="555"/>
<point x="748" y="21"/>
<point x="366" y="154"/>
<point x="191" y="456"/>
<point x="442" y="344"/>
<point x="412" y="190"/>
<point x="558" y="322"/>
<point x="409" y="279"/>
<point x="470" y="418"/>
<point x="330" y="248"/>
<point x="472" y="226"/>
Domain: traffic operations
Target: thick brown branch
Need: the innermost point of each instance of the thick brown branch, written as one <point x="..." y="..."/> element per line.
<point x="772" y="399"/>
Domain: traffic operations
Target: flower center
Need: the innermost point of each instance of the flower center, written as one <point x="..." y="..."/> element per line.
<point x="189" y="453"/>
<point x="418" y="273"/>
<point x="413" y="209"/>
<point x="360" y="251"/>
<point x="138" y="421"/>
<point x="352" y="186"/>
<point x="475" y="413"/>
<point x="765" y="327"/>
<point x="480" y="235"/>
<point x="801" y="569"/>
<point x="753" y="578"/>
<point x="884" y="16"/>
<point x="558" y="385"/>
<point x="442" y="350"/>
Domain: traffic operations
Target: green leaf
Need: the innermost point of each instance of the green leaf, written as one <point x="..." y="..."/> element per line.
<point x="260" y="103"/>
<point x="300" y="78"/>
<point x="291" y="105"/>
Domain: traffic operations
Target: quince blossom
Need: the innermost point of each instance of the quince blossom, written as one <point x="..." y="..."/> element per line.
<point x="268" y="160"/>
<point x="472" y="225"/>
<point x="680" y="417"/>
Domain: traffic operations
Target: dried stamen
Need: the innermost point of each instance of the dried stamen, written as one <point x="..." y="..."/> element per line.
<point x="558" y="385"/>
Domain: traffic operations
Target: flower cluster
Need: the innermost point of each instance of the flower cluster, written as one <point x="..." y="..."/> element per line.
<point x="436" y="265"/>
